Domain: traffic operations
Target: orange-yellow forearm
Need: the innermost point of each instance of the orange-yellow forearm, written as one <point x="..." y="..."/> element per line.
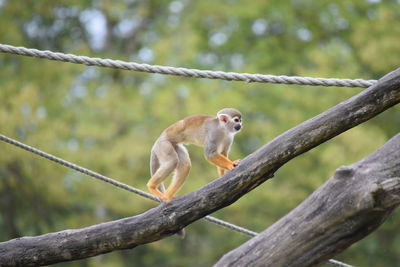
<point x="222" y="162"/>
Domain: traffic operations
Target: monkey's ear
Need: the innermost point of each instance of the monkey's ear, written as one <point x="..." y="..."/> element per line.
<point x="223" y="117"/>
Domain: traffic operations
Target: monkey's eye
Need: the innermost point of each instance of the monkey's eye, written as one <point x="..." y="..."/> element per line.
<point x="236" y="120"/>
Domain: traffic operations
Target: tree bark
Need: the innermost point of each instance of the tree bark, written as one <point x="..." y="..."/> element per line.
<point x="167" y="219"/>
<point x="349" y="206"/>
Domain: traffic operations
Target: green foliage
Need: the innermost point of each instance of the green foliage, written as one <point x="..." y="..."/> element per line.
<point x="107" y="120"/>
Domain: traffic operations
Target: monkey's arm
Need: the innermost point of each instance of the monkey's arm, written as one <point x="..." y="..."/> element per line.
<point x="212" y="154"/>
<point x="223" y="162"/>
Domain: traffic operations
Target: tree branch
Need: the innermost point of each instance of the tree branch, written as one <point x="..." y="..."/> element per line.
<point x="167" y="219"/>
<point x="349" y="206"/>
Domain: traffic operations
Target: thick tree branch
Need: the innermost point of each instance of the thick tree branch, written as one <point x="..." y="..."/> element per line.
<point x="349" y="206"/>
<point x="165" y="220"/>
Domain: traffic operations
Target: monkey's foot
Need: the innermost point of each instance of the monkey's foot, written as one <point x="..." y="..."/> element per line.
<point x="166" y="199"/>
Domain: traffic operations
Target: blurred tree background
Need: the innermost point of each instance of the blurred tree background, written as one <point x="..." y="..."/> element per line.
<point x="107" y="120"/>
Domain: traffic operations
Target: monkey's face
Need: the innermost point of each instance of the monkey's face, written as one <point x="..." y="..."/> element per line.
<point x="233" y="124"/>
<point x="236" y="123"/>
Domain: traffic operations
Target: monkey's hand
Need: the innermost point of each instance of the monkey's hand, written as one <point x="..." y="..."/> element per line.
<point x="236" y="162"/>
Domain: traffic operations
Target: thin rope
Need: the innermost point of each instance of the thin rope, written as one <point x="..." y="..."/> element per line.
<point x="229" y="76"/>
<point x="139" y="192"/>
<point x="339" y="263"/>
<point x="112" y="181"/>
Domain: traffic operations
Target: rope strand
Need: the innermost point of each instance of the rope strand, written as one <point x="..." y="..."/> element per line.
<point x="228" y="76"/>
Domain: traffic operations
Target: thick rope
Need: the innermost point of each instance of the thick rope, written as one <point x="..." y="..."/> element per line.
<point x="106" y="179"/>
<point x="229" y="76"/>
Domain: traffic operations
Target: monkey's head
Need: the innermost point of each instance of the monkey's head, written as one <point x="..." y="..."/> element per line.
<point x="232" y="118"/>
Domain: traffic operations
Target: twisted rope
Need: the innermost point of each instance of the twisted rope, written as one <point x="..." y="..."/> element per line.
<point x="139" y="192"/>
<point x="229" y="76"/>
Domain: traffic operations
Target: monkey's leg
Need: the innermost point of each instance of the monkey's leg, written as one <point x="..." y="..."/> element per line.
<point x="181" y="172"/>
<point x="155" y="183"/>
<point x="161" y="188"/>
<point x="168" y="160"/>
<point x="154" y="165"/>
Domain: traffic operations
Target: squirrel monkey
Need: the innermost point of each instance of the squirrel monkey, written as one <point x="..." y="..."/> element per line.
<point x="215" y="134"/>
